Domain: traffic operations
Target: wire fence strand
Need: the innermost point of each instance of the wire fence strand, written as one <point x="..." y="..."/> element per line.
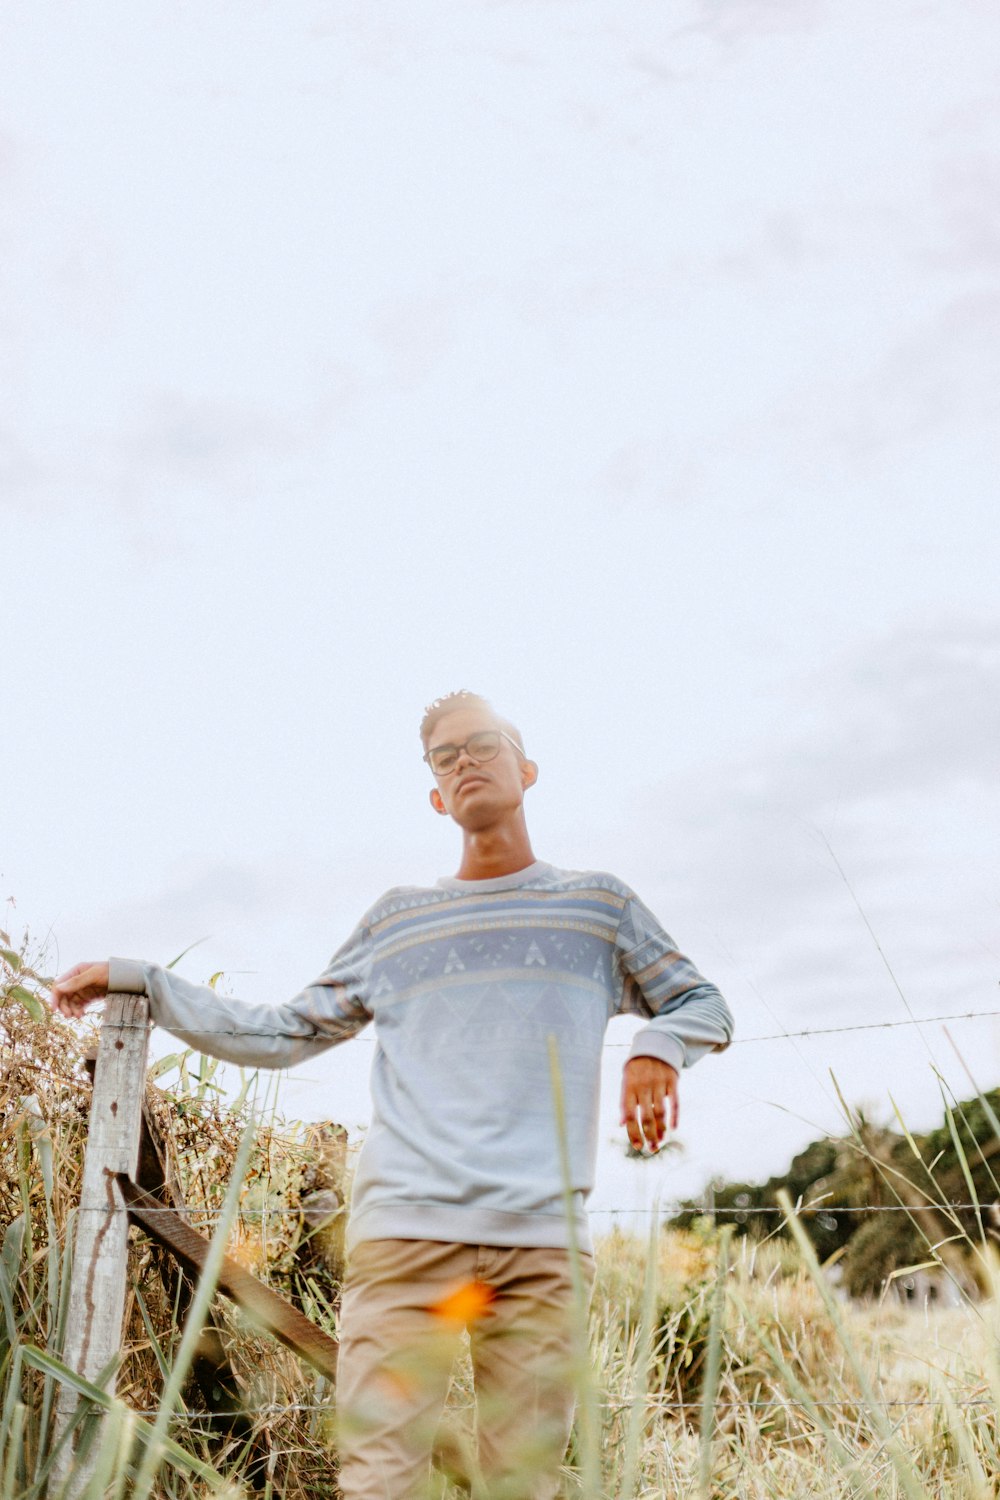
<point x="622" y="1403"/>
<point x="738" y="1211"/>
<point x="738" y="1041"/>
<point x="665" y="1210"/>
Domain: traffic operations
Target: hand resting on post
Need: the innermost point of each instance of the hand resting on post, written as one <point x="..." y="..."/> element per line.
<point x="79" y="987"/>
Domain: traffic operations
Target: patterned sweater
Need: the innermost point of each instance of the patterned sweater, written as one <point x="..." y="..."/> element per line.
<point x="465" y="982"/>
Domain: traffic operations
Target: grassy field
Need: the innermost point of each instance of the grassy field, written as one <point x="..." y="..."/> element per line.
<point x="797" y="1405"/>
<point x="715" y="1366"/>
<point x="804" y="1400"/>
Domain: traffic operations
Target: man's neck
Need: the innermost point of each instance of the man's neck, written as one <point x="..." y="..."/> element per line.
<point x="490" y="852"/>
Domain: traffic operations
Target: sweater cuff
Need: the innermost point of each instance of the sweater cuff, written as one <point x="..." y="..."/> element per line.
<point x="126" y="976"/>
<point x="651" y="1043"/>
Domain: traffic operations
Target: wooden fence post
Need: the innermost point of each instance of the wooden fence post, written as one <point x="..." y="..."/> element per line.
<point x="322" y="1205"/>
<point x="98" y="1283"/>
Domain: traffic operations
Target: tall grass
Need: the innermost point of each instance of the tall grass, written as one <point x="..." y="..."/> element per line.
<point x="714" y="1369"/>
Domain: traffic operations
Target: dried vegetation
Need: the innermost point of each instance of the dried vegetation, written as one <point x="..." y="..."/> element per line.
<point x="718" y="1368"/>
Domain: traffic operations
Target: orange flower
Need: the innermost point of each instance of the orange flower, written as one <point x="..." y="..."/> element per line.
<point x="465" y="1305"/>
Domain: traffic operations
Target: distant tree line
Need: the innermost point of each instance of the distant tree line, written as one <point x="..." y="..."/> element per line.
<point x="841" y="1183"/>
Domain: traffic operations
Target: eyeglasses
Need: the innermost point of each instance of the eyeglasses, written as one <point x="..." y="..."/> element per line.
<point x="481" y="747"/>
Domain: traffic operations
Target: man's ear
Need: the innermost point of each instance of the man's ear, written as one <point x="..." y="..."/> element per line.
<point x="529" y="773"/>
<point x="437" y="802"/>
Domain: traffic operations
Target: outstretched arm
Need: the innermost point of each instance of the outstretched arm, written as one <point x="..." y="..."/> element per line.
<point x="331" y="1009"/>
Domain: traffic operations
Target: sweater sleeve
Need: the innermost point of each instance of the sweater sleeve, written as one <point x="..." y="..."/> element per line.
<point x="689" y="1017"/>
<point x="330" y="1010"/>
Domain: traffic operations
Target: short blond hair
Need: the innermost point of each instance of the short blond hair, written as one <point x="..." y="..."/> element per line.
<point x="463" y="698"/>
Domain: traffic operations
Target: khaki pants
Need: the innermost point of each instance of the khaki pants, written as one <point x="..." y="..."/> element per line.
<point x="405" y="1305"/>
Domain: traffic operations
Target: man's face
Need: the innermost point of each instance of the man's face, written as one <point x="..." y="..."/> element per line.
<point x="478" y="794"/>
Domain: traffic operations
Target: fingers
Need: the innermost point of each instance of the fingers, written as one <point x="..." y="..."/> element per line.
<point x="73" y="991"/>
<point x="646" y="1120"/>
<point x="649" y="1098"/>
<point x="636" y="1101"/>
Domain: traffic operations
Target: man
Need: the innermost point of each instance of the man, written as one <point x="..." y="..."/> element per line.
<point x="458" y="1215"/>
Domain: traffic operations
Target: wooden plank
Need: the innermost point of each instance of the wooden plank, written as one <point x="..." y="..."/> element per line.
<point x="266" y="1308"/>
<point x="97" y="1288"/>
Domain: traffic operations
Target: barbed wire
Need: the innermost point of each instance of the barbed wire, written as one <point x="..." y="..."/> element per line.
<point x="252" y="1215"/>
<point x="609" y="1402"/>
<point x="738" y="1041"/>
<point x="738" y="1211"/>
<point x="783" y="1036"/>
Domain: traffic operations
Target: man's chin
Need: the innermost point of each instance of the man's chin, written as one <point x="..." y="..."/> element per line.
<point x="474" y="814"/>
<point x="474" y="820"/>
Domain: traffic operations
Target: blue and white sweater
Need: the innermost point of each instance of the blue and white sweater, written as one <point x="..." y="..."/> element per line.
<point x="465" y="982"/>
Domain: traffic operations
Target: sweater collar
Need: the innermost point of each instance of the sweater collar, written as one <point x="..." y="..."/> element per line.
<point x="499" y="882"/>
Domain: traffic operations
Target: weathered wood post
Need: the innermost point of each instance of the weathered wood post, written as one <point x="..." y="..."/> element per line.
<point x="323" y="1206"/>
<point x="99" y="1273"/>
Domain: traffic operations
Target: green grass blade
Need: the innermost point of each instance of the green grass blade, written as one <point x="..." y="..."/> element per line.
<point x="847" y="1460"/>
<point x="12" y="1395"/>
<point x="13" y="1465"/>
<point x="185" y="951"/>
<point x="11" y="1253"/>
<point x="906" y="1130"/>
<point x="147" y="1323"/>
<point x="988" y="1109"/>
<point x="638" y="1415"/>
<point x="713" y="1366"/>
<point x="126" y="1446"/>
<point x="195" y="1321"/>
<point x="909" y="1480"/>
<point x="106" y="1458"/>
<point x="174" y="1454"/>
<point x="53" y="1283"/>
<point x="963" y="1162"/>
<point x="978" y="1487"/>
<point x="589" y="1422"/>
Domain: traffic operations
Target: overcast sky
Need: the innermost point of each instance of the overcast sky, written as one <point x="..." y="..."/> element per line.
<point x="635" y="364"/>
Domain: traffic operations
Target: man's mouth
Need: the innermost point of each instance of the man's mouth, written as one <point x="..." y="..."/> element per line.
<point x="471" y="781"/>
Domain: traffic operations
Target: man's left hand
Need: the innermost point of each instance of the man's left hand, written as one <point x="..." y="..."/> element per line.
<point x="647" y="1086"/>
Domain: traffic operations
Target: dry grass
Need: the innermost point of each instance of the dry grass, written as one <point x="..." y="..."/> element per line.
<point x="765" y="1444"/>
<point x="803" y="1386"/>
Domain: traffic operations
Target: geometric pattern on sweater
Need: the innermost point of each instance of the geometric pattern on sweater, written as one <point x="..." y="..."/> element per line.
<point x="468" y="984"/>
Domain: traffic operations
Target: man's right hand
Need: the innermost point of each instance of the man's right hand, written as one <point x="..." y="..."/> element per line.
<point x="73" y="991"/>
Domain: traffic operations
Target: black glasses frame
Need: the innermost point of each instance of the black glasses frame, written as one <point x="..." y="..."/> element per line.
<point x="479" y="759"/>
